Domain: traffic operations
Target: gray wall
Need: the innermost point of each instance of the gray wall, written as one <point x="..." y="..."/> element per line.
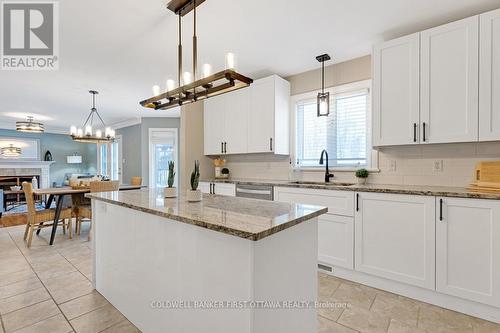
<point x="131" y="151"/>
<point x="135" y="146"/>
<point x="60" y="146"/>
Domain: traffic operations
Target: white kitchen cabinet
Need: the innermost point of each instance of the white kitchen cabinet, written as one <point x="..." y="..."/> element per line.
<point x="335" y="229"/>
<point x="218" y="188"/>
<point x="213" y="125"/>
<point x="395" y="237"/>
<point x="268" y="119"/>
<point x="449" y="82"/>
<point x="396" y="79"/>
<point x="249" y="120"/>
<point x="336" y="240"/>
<point x="468" y="249"/>
<point x="489" y="76"/>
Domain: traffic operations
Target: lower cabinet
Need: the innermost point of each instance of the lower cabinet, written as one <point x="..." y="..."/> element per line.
<point x="335" y="229"/>
<point x="395" y="237"/>
<point x="218" y="188"/>
<point x="468" y="249"/>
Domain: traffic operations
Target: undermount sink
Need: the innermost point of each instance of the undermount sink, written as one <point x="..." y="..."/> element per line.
<point x="321" y="183"/>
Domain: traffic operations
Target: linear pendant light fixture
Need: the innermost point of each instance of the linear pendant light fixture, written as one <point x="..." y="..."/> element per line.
<point x="323" y="97"/>
<point x="192" y="89"/>
<point x="29" y="126"/>
<point x="87" y="134"/>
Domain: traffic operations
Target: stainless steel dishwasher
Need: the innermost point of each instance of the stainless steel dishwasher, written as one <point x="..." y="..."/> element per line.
<point x="262" y="192"/>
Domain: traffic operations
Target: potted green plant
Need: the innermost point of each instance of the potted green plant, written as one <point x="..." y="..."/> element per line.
<point x="361" y="174"/>
<point x="194" y="194"/>
<point x="224" y="173"/>
<point x="171" y="191"/>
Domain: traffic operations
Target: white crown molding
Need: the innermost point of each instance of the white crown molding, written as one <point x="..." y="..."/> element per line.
<point x="126" y="123"/>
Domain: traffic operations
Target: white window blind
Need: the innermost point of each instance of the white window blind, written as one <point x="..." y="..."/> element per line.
<point x="343" y="133"/>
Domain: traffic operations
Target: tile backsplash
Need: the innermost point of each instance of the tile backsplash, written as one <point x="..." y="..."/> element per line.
<point x="439" y="164"/>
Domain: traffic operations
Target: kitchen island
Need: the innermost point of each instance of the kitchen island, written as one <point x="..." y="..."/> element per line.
<point x="224" y="264"/>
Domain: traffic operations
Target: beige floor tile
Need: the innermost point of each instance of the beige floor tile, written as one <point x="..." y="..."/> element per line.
<point x="122" y="327"/>
<point x="400" y="327"/>
<point x="82" y="305"/>
<point x="97" y="320"/>
<point x="327" y="326"/>
<point x="23" y="300"/>
<point x="68" y="286"/>
<point x="30" y="315"/>
<point x="394" y="307"/>
<point x="483" y="326"/>
<point x="354" y="294"/>
<point x="19" y="287"/>
<point x="438" y="320"/>
<point x="12" y="265"/>
<point x="330" y="308"/>
<point x="8" y="278"/>
<point x="364" y="321"/>
<point x="56" y="324"/>
<point x="56" y="269"/>
<point x="327" y="285"/>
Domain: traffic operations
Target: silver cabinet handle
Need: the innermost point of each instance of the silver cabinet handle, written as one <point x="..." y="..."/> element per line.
<point x="243" y="190"/>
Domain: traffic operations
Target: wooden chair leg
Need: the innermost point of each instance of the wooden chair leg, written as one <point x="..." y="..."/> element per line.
<point x="30" y="235"/>
<point x="79" y="225"/>
<point x="64" y="226"/>
<point x="26" y="230"/>
<point x="70" y="231"/>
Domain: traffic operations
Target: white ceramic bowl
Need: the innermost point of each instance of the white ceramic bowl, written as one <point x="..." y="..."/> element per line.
<point x="15" y="188"/>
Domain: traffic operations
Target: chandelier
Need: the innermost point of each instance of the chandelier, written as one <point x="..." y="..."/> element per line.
<point x="10" y="151"/>
<point x="88" y="132"/>
<point x="191" y="89"/>
<point x="29" y="126"/>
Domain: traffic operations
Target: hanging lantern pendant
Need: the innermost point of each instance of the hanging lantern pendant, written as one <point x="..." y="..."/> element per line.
<point x="323" y="97"/>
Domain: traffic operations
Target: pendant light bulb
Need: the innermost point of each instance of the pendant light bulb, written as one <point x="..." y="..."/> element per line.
<point x="230" y="60"/>
<point x="187" y="78"/>
<point x="206" y="70"/>
<point x="156" y="90"/>
<point x="72" y="130"/>
<point x="170" y="84"/>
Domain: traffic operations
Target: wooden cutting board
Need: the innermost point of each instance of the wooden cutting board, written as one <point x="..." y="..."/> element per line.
<point x="488" y="172"/>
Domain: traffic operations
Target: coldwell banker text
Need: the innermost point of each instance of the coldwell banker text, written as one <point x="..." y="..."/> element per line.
<point x="30" y="35"/>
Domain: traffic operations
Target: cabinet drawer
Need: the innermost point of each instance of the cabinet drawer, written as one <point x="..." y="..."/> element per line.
<point x="338" y="202"/>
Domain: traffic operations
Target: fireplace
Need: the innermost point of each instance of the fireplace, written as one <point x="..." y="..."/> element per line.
<point x="11" y="197"/>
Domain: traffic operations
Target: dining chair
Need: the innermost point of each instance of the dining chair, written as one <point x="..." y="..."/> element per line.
<point x="37" y="219"/>
<point x="136" y="181"/>
<point x="85" y="211"/>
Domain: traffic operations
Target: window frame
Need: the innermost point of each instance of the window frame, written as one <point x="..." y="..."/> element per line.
<point x="336" y="90"/>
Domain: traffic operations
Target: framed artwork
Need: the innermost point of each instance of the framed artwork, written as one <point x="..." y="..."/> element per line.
<point x="30" y="148"/>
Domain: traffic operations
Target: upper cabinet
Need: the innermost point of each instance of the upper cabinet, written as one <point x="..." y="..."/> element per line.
<point x="449" y="82"/>
<point x="489" y="78"/>
<point x="250" y="120"/>
<point x="396" y="82"/>
<point x="440" y="85"/>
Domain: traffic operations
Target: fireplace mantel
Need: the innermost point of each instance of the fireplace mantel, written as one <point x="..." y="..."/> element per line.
<point x="44" y="167"/>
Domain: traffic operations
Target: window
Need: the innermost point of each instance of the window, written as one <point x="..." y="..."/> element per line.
<point x="344" y="133"/>
<point x="162" y="149"/>
<point x="109" y="159"/>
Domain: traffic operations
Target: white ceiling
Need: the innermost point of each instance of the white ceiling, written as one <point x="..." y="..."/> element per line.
<point x="122" y="47"/>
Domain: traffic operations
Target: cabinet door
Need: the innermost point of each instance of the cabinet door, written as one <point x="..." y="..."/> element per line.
<point x="261" y="116"/>
<point x="449" y="82"/>
<point x="225" y="189"/>
<point x="489" y="76"/>
<point x="213" y="124"/>
<point x="396" y="78"/>
<point x="336" y="240"/>
<point x="235" y="122"/>
<point x="395" y="237"/>
<point x="204" y="187"/>
<point x="468" y="249"/>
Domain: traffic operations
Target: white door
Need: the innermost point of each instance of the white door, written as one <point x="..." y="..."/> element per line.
<point x="489" y="76"/>
<point x="395" y="237"/>
<point x="109" y="159"/>
<point x="213" y="119"/>
<point x="261" y="116"/>
<point x="468" y="249"/>
<point x="163" y="147"/>
<point x="336" y="240"/>
<point x="449" y="82"/>
<point x="396" y="79"/>
<point x="235" y="122"/>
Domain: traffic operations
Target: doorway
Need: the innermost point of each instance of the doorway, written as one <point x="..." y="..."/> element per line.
<point x="163" y="147"/>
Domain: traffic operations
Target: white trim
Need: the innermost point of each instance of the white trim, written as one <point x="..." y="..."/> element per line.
<point x="126" y="123"/>
<point x="335" y="90"/>
<point x="150" y="152"/>
<point x="44" y="167"/>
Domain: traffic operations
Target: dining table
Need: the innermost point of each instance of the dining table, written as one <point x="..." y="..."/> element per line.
<point x="60" y="193"/>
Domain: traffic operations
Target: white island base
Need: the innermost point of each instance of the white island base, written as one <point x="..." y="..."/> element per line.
<point x="143" y="261"/>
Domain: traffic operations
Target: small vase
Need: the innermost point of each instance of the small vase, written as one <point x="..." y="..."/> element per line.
<point x="194" y="196"/>
<point x="218" y="172"/>
<point x="170" y="192"/>
<point x="361" y="181"/>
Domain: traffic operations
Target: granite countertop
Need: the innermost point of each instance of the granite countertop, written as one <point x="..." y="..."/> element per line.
<point x="246" y="218"/>
<point x="440" y="191"/>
